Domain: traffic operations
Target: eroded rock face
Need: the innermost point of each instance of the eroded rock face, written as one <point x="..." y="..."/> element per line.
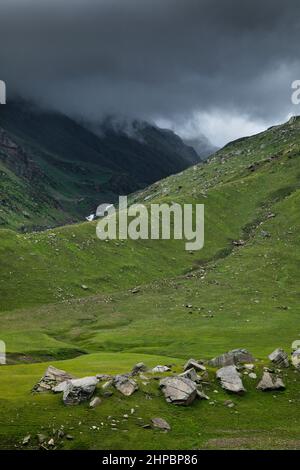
<point x="79" y="390"/>
<point x="296" y="359"/>
<point x="192" y="364"/>
<point x="179" y="390"/>
<point x="51" y="379"/>
<point x="280" y="358"/>
<point x="232" y="358"/>
<point x="270" y="382"/>
<point x="231" y="380"/>
<point x="125" y="385"/>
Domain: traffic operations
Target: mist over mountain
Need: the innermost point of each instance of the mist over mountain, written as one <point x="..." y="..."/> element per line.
<point x="54" y="169"/>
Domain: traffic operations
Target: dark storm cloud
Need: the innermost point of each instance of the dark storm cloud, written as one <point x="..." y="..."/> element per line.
<point x="155" y="59"/>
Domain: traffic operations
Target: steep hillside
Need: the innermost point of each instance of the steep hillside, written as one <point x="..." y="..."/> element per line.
<point x="75" y="169"/>
<point x="241" y="290"/>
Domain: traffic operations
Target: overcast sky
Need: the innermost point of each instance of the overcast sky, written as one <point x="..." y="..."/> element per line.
<point x="219" y="67"/>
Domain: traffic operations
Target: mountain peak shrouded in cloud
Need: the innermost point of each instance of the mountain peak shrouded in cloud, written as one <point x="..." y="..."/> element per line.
<point x="228" y="65"/>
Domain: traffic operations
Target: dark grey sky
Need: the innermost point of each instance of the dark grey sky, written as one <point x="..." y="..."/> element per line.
<point x="223" y="67"/>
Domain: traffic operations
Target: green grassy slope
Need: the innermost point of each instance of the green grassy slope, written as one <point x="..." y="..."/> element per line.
<point x="237" y="296"/>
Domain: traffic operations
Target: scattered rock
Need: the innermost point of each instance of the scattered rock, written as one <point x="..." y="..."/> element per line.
<point x="231" y="358"/>
<point x="296" y="359"/>
<point x="84" y="287"/>
<point x="249" y="367"/>
<point x="95" y="402"/>
<point x="69" y="437"/>
<point x="195" y="365"/>
<point x="41" y="438"/>
<point x="179" y="390"/>
<point x="252" y="375"/>
<point x="51" y="442"/>
<point x="60" y="387"/>
<point x="230" y="379"/>
<point x="160" y="423"/>
<point x="280" y="358"/>
<point x="229" y="403"/>
<point x="51" y="379"/>
<point x="191" y="374"/>
<point x="26" y="440"/>
<point x="79" y="390"/>
<point x="201" y="395"/>
<point x="125" y="385"/>
<point x="140" y="367"/>
<point x="160" y="369"/>
<point x="270" y="382"/>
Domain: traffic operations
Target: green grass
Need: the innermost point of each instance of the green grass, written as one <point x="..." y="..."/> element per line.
<point x="241" y="297"/>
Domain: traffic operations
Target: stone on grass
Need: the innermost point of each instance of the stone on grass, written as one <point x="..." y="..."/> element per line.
<point x="252" y="375"/>
<point x="192" y="364"/>
<point x="51" y="379"/>
<point x="160" y="369"/>
<point x="191" y="374"/>
<point x="231" y="380"/>
<point x="26" y="440"/>
<point x="178" y="390"/>
<point x="140" y="367"/>
<point x="270" y="382"/>
<point x="95" y="402"/>
<point x="280" y="358"/>
<point x="125" y="385"/>
<point x="160" y="423"/>
<point x="296" y="359"/>
<point x="232" y="358"/>
<point x="79" y="390"/>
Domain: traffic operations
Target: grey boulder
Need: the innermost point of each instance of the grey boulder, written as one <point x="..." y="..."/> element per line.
<point x="232" y="358"/>
<point x="79" y="390"/>
<point x="296" y="359"/>
<point x="192" y="364"/>
<point x="51" y="379"/>
<point x="191" y="374"/>
<point x="280" y="358"/>
<point x="125" y="385"/>
<point x="270" y="382"/>
<point x="178" y="390"/>
<point x="231" y="380"/>
<point x="140" y="367"/>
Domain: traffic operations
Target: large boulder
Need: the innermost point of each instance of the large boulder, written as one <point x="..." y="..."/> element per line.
<point x="79" y="390"/>
<point x="270" y="382"/>
<point x="280" y="358"/>
<point x="179" y="390"/>
<point x="232" y="358"/>
<point x="231" y="380"/>
<point x="296" y="359"/>
<point x="125" y="385"/>
<point x="51" y="379"/>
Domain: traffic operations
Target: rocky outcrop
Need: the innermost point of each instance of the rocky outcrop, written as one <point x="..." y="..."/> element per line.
<point x="280" y="358"/>
<point x="79" y="390"/>
<point x="231" y="380"/>
<point x="51" y="379"/>
<point x="232" y="358"/>
<point x="178" y="390"/>
<point x="270" y="382"/>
